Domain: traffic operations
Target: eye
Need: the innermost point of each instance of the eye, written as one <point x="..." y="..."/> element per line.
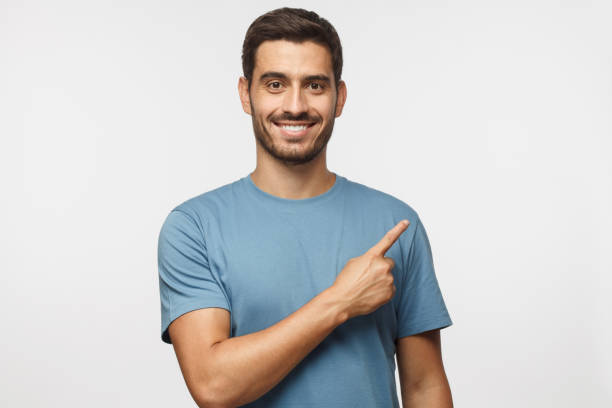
<point x="316" y="86"/>
<point x="274" y="85"/>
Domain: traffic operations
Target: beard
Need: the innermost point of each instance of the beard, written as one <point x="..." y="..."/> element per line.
<point x="296" y="155"/>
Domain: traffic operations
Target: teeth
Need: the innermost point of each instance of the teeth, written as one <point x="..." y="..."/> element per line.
<point x="294" y="128"/>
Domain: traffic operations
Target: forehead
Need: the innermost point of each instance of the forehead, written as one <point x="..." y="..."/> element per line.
<point x="292" y="58"/>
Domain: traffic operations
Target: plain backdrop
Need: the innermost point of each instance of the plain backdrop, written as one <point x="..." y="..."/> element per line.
<point x="492" y="119"/>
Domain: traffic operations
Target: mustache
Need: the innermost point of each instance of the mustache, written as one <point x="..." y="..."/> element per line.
<point x="302" y="117"/>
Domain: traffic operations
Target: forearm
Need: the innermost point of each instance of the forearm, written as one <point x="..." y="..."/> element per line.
<point x="434" y="396"/>
<point x="246" y="367"/>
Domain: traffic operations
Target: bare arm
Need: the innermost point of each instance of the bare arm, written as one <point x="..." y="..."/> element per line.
<point x="229" y="372"/>
<point x="421" y="371"/>
<point x="253" y="364"/>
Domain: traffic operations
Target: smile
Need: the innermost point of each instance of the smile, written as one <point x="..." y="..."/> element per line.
<point x="293" y="129"/>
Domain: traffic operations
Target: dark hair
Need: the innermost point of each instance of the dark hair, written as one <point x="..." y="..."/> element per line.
<point x="291" y="24"/>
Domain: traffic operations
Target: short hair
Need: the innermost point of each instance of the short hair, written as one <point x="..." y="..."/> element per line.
<point x="291" y="24"/>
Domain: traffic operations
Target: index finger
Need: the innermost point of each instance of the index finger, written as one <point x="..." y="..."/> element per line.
<point x="389" y="239"/>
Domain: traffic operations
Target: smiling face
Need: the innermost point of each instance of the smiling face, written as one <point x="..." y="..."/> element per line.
<point x="292" y="99"/>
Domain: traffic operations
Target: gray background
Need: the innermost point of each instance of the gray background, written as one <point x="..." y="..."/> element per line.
<point x="492" y="119"/>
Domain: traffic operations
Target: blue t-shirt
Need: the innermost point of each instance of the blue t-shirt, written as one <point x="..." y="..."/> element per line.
<point x="262" y="257"/>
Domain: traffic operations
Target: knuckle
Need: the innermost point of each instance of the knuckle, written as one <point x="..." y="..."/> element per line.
<point x="389" y="262"/>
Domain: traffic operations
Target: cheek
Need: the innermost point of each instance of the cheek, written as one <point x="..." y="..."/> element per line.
<point x="264" y="107"/>
<point x="263" y="100"/>
<point x="322" y="105"/>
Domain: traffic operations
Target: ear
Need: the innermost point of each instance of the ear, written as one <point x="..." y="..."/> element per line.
<point x="341" y="98"/>
<point x="243" y="92"/>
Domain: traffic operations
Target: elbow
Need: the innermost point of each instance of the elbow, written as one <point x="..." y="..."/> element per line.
<point x="208" y="401"/>
<point x="212" y="396"/>
<point x="205" y="403"/>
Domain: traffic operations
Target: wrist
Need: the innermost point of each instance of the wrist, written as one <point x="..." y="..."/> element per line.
<point x="336" y="303"/>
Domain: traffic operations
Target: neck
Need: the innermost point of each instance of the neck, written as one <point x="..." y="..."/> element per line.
<point x="293" y="182"/>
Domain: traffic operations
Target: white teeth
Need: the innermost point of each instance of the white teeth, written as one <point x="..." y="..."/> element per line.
<point x="294" y="128"/>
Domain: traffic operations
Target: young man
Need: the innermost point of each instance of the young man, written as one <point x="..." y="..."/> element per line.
<point x="294" y="286"/>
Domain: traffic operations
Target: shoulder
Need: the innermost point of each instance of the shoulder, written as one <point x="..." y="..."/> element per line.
<point x="379" y="201"/>
<point x="200" y="208"/>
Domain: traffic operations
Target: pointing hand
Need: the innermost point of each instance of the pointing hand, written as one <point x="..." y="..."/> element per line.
<point x="366" y="282"/>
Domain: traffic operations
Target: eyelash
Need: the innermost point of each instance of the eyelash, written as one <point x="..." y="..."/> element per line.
<point x="320" y="87"/>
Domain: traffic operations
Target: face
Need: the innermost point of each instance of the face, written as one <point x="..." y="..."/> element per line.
<point x="292" y="99"/>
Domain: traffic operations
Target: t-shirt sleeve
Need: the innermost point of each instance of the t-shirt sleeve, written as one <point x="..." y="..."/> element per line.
<point x="186" y="282"/>
<point x="421" y="305"/>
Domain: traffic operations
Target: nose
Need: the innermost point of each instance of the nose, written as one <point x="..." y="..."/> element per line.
<point x="294" y="101"/>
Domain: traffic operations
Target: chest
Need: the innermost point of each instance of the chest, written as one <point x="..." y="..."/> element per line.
<point x="271" y="265"/>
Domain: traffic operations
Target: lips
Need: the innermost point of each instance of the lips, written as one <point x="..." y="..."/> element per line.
<point x="294" y="129"/>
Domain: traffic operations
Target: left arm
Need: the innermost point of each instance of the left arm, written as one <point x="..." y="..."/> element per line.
<point x="421" y="371"/>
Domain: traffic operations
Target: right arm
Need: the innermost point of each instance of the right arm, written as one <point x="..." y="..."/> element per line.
<point x="227" y="372"/>
<point x="237" y="370"/>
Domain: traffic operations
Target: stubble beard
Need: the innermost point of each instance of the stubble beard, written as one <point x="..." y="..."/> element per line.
<point x="295" y="156"/>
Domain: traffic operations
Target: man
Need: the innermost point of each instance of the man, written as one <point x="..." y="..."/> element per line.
<point x="294" y="286"/>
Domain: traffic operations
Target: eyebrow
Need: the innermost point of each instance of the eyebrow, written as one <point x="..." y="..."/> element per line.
<point x="273" y="74"/>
